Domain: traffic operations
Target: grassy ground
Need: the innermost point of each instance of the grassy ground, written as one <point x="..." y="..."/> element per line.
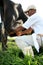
<point x="14" y="56"/>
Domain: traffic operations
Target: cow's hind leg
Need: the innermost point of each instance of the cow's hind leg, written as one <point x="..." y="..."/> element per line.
<point x="4" y="42"/>
<point x="3" y="37"/>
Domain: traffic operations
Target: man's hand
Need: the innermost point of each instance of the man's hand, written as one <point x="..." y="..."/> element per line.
<point x="20" y="28"/>
<point x="19" y="33"/>
<point x="27" y="31"/>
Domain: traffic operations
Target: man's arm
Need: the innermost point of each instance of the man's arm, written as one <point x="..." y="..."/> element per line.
<point x="20" y="28"/>
<point x="25" y="32"/>
<point x="31" y="20"/>
<point x="28" y="31"/>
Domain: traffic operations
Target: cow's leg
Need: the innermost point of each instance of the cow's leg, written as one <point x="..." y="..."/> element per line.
<point x="3" y="37"/>
<point x="4" y="41"/>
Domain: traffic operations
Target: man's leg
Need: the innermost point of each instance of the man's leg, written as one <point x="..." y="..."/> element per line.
<point x="24" y="43"/>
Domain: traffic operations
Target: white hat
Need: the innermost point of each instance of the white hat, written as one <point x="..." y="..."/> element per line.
<point x="30" y="7"/>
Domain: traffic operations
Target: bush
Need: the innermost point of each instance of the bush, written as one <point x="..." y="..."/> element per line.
<point x="14" y="56"/>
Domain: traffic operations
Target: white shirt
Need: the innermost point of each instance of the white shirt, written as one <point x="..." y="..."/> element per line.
<point x="35" y="22"/>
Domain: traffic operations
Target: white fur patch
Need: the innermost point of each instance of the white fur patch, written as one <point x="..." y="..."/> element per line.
<point x="20" y="23"/>
<point x="3" y="29"/>
<point x="15" y="7"/>
<point x="13" y="17"/>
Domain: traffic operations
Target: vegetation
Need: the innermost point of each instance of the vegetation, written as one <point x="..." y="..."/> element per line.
<point x="14" y="56"/>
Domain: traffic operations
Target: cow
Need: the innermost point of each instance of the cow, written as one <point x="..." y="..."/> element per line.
<point x="11" y="13"/>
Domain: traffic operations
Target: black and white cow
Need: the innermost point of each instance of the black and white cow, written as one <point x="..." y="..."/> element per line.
<point x="12" y="13"/>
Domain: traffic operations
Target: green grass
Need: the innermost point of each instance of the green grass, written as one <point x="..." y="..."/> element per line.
<point x="14" y="56"/>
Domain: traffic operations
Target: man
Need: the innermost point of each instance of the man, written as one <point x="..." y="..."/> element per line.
<point x="34" y="22"/>
<point x="29" y="12"/>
